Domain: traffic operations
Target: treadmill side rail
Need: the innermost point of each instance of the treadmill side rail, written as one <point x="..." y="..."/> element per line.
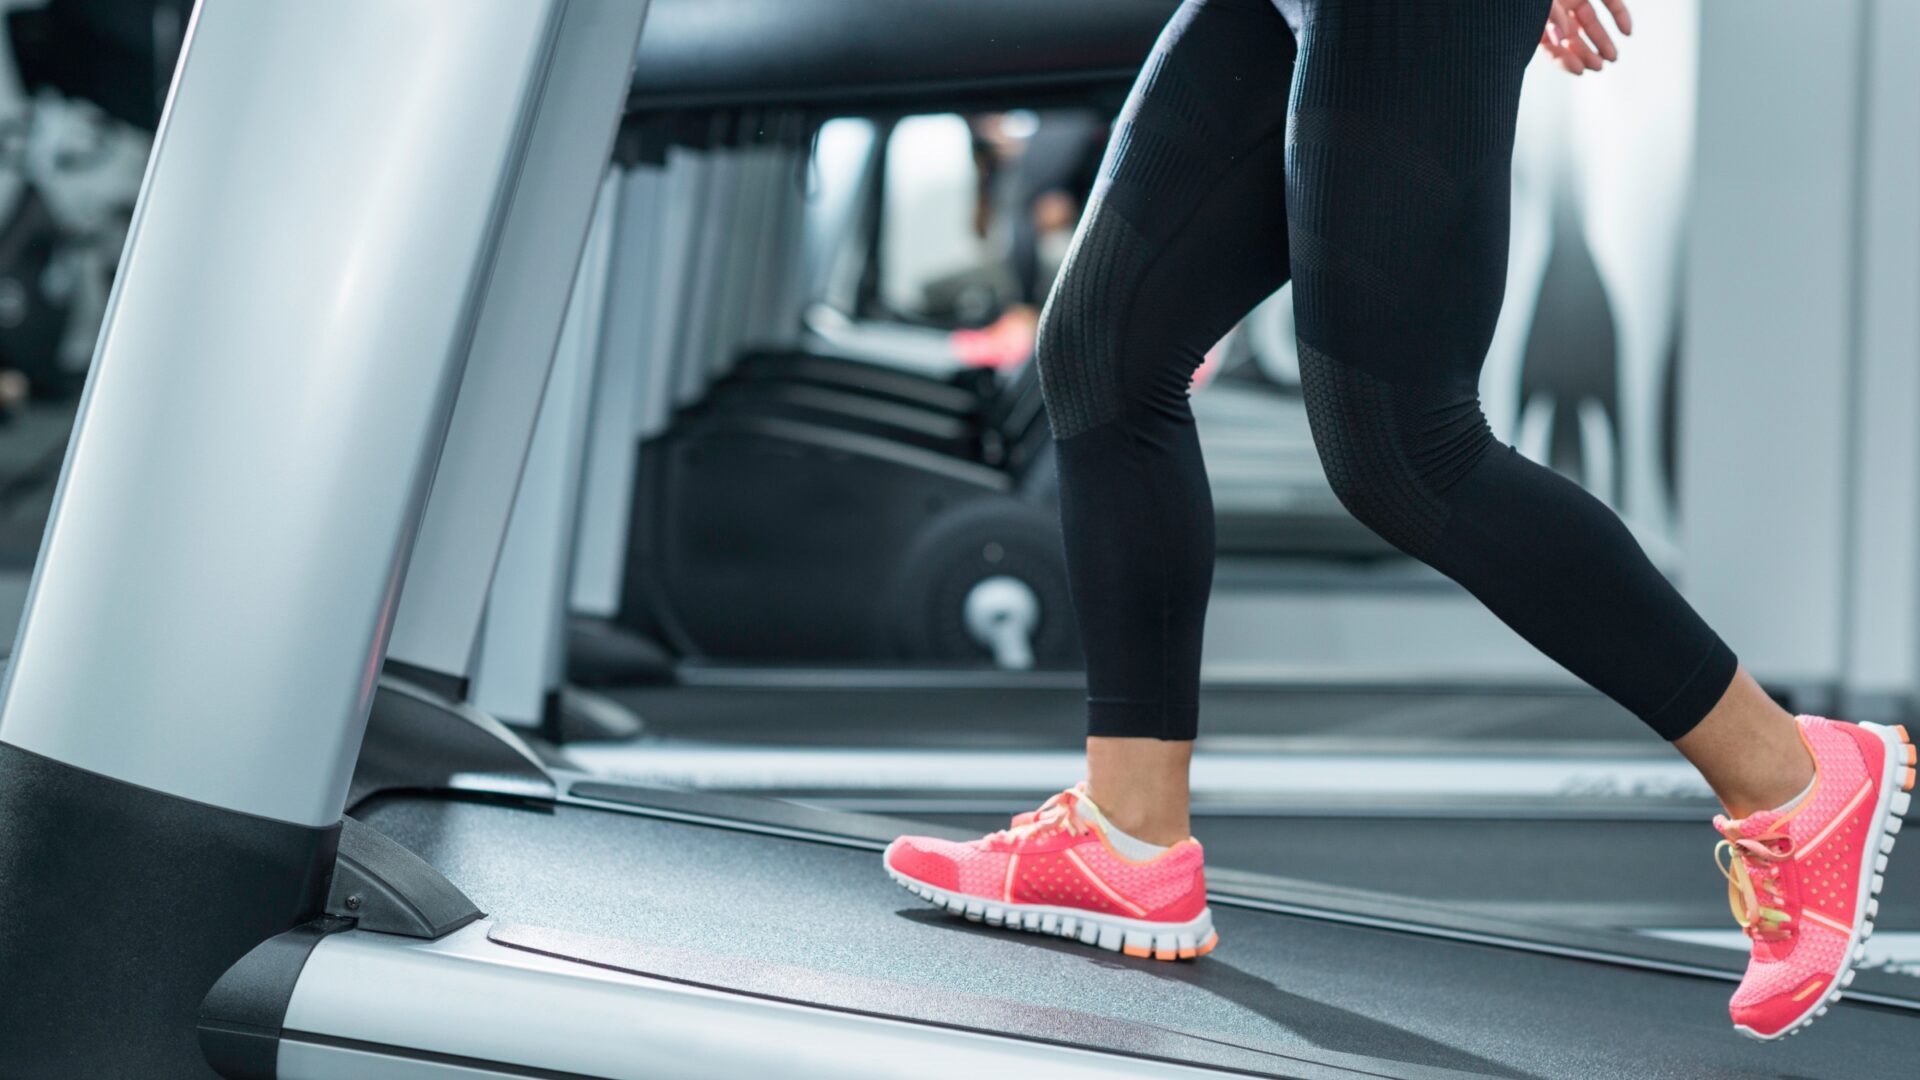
<point x="413" y="1007"/>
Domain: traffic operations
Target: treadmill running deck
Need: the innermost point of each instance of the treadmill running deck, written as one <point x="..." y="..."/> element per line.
<point x="816" y="921"/>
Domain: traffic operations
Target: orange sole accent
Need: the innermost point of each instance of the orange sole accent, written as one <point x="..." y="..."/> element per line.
<point x="1910" y="755"/>
<point x="1140" y="951"/>
<point x="1901" y="730"/>
<point x="1207" y="945"/>
<point x="1906" y="783"/>
<point x="1188" y="954"/>
<point x="1808" y="989"/>
<point x="1166" y="954"/>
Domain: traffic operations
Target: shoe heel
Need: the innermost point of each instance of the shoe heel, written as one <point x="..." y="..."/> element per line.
<point x="1902" y="748"/>
<point x="1913" y="758"/>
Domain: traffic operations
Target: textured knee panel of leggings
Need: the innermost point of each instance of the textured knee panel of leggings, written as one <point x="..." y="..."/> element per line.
<point x="1361" y="148"/>
<point x="1392" y="452"/>
<point x="1148" y="286"/>
<point x="1079" y="344"/>
<point x="1154" y="279"/>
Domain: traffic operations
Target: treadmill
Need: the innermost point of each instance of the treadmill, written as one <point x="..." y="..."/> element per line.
<point x="196" y="699"/>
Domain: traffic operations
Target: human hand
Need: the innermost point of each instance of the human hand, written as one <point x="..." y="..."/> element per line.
<point x="1576" y="38"/>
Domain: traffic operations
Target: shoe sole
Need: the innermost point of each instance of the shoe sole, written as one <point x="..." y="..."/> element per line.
<point x="1896" y="787"/>
<point x="1135" y="937"/>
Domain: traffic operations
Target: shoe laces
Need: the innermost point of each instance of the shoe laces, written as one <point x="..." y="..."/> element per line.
<point x="1056" y="813"/>
<point x="1753" y="865"/>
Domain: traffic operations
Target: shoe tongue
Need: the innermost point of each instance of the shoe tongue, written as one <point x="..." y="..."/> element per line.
<point x="1752" y="827"/>
<point x="1772" y="950"/>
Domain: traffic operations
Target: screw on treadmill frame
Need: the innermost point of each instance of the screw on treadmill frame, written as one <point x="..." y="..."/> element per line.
<point x="353" y="902"/>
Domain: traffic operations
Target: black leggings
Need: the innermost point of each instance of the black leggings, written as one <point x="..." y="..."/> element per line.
<point x="1369" y="164"/>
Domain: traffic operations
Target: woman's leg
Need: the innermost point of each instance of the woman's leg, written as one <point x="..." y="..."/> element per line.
<point x="1397" y="187"/>
<point x="1397" y="194"/>
<point x="1185" y="232"/>
<point x="1749" y="750"/>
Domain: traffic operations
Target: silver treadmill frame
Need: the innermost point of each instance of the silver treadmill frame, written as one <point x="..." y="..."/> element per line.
<point x="248" y="493"/>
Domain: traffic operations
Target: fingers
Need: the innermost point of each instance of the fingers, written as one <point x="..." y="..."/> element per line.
<point x="1577" y="38"/>
<point x="1559" y="55"/>
<point x="1596" y="32"/>
<point x="1559" y="25"/>
<point x="1553" y="39"/>
<point x="1577" y="47"/>
<point x="1621" y="18"/>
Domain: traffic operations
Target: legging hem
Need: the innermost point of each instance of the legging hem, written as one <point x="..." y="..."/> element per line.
<point x="1698" y="695"/>
<point x="1118" y="718"/>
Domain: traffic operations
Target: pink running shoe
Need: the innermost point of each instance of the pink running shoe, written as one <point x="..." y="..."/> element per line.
<point x="1054" y="872"/>
<point x="1802" y="881"/>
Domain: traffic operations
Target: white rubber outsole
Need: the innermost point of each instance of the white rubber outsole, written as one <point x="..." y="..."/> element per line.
<point x="1892" y="807"/>
<point x="1134" y="937"/>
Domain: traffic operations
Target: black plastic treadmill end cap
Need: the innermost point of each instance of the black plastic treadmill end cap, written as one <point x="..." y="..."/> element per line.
<point x="241" y="1017"/>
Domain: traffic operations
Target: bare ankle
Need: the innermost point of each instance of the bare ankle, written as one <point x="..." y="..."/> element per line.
<point x="1140" y="785"/>
<point x="1787" y="783"/>
<point x="1749" y="750"/>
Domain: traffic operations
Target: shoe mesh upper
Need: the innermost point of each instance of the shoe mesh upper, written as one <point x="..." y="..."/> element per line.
<point x="1152" y="885"/>
<point x="1047" y="875"/>
<point x="1824" y="875"/>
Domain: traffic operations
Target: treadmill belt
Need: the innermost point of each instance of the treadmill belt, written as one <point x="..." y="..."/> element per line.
<point x="721" y="906"/>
